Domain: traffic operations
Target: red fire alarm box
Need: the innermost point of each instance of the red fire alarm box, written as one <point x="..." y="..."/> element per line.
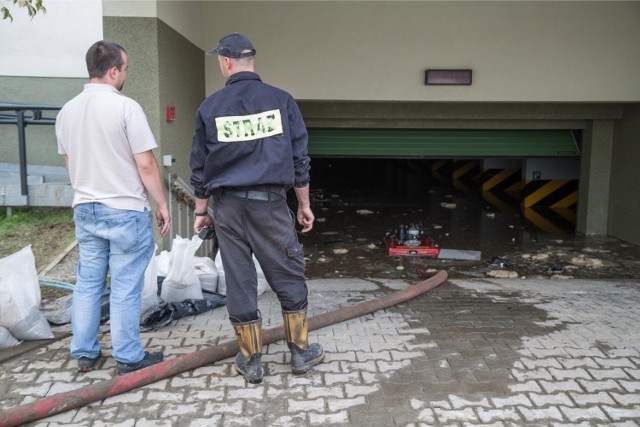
<point x="171" y="113"/>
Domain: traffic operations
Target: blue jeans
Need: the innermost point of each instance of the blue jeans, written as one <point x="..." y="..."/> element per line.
<point x="120" y="242"/>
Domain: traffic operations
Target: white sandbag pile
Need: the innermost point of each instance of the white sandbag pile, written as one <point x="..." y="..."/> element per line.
<point x="181" y="281"/>
<point x="185" y="274"/>
<point x="20" y="315"/>
<point x="150" y="289"/>
<point x="207" y="273"/>
<point x="263" y="285"/>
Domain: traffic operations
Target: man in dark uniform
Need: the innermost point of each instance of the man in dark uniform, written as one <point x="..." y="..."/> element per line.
<point x="249" y="148"/>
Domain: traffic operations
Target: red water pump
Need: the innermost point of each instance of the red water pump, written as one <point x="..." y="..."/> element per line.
<point x="411" y="240"/>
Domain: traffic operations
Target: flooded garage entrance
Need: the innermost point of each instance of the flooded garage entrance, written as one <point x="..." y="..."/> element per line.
<point x="358" y="201"/>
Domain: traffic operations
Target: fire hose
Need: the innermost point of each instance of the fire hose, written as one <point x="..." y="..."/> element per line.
<point x="66" y="401"/>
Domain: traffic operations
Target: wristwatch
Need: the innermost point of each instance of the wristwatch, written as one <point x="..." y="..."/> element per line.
<point x="205" y="213"/>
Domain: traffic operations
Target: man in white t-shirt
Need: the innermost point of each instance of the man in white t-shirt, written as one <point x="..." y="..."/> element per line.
<point x="107" y="146"/>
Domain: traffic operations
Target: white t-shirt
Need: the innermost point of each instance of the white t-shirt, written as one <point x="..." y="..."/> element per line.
<point x="100" y="130"/>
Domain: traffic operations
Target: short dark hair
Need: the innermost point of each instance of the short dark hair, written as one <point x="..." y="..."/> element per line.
<point x="102" y="56"/>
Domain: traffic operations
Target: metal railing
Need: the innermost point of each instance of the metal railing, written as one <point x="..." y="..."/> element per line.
<point x="181" y="207"/>
<point x="23" y="115"/>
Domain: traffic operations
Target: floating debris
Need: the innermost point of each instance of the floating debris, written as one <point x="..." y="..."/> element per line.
<point x="540" y="257"/>
<point x="364" y="212"/>
<point x="583" y="261"/>
<point x="497" y="262"/>
<point x="601" y="251"/>
<point x="491" y="215"/>
<point x="436" y="226"/>
<point x="321" y="219"/>
<point x="504" y="274"/>
<point x="340" y="251"/>
<point x="448" y="205"/>
<point x="555" y="270"/>
<point x="561" y="277"/>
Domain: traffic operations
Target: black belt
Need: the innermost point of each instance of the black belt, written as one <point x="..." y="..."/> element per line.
<point x="253" y="195"/>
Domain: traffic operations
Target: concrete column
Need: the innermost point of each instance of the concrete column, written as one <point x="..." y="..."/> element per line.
<point x="595" y="177"/>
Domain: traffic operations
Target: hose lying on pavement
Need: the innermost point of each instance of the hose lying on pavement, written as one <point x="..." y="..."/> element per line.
<point x="66" y="401"/>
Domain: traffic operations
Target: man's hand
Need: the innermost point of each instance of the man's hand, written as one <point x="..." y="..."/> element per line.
<point x="163" y="219"/>
<point x="305" y="218"/>
<point x="201" y="222"/>
<point x="202" y="205"/>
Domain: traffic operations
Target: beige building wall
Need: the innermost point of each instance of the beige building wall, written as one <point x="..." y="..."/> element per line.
<point x="624" y="196"/>
<point x="378" y="50"/>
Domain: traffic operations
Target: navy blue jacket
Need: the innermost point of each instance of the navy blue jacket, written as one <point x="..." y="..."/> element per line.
<point x="248" y="134"/>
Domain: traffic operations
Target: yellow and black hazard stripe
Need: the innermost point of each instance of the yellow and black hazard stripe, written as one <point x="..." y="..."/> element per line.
<point x="503" y="202"/>
<point x="466" y="175"/>
<point x="555" y="193"/>
<point x="442" y="170"/>
<point x="502" y="188"/>
<point x="508" y="180"/>
<point x="553" y="221"/>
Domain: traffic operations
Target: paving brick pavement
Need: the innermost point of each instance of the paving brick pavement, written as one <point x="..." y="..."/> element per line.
<point x="495" y="352"/>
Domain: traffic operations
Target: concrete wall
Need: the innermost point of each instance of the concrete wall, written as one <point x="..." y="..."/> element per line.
<point x="41" y="142"/>
<point x="181" y="66"/>
<point x="139" y="36"/>
<point x="363" y="50"/>
<point x="624" y="196"/>
<point x="595" y="177"/>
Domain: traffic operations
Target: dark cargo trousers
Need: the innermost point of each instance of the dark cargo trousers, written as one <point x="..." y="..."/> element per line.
<point x="246" y="225"/>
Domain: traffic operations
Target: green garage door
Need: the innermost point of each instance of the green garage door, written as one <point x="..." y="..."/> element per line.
<point x="430" y="143"/>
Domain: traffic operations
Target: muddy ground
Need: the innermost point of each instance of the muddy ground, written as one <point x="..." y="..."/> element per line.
<point x="46" y="240"/>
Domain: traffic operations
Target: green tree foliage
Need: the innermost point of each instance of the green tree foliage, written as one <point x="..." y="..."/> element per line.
<point x="33" y="7"/>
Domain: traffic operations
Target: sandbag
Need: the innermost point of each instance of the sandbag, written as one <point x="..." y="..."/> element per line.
<point x="263" y="285"/>
<point x="32" y="326"/>
<point x="207" y="273"/>
<point x="6" y="339"/>
<point x="20" y="297"/>
<point x="163" y="262"/>
<point x="149" y="298"/>
<point x="222" y="281"/>
<point x="58" y="312"/>
<point x="181" y="281"/>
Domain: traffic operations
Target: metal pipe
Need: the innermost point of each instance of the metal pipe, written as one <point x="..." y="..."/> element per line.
<point x="22" y="149"/>
<point x="66" y="401"/>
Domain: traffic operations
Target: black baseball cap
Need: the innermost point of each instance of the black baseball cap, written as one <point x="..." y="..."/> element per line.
<point x="232" y="46"/>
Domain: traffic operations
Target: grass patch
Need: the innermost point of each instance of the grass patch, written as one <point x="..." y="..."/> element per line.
<point x="48" y="230"/>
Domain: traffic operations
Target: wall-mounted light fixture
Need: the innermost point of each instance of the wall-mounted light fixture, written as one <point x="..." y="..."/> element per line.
<point x="447" y="77"/>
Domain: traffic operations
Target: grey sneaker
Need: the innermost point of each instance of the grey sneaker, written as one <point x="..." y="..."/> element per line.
<point x="148" y="360"/>
<point x="86" y="364"/>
